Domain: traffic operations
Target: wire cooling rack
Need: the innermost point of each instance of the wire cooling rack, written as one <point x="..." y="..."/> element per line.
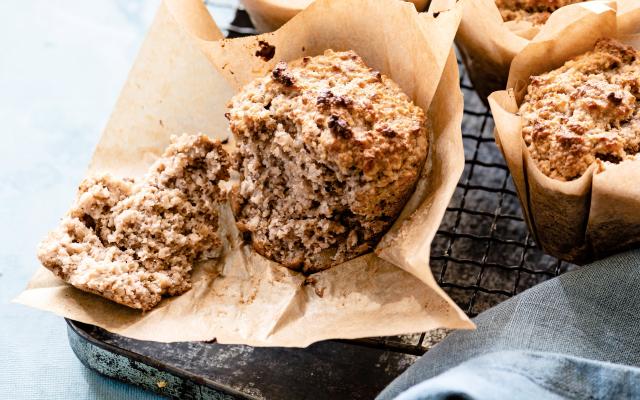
<point x="483" y="252"/>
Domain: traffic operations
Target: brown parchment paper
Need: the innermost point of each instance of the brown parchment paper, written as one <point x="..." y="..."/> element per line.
<point x="269" y="15"/>
<point x="598" y="213"/>
<point x="181" y="81"/>
<point x="488" y="45"/>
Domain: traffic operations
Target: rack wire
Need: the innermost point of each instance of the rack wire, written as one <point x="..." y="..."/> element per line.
<point x="483" y="252"/>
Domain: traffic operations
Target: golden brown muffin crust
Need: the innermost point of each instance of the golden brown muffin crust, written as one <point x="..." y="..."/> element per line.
<point x="535" y="11"/>
<point x="133" y="241"/>
<point x="584" y="112"/>
<point x="328" y="151"/>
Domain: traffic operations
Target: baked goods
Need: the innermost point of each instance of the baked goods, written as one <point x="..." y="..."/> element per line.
<point x="535" y="11"/>
<point x="328" y="152"/>
<point x="584" y="112"/>
<point x="135" y="240"/>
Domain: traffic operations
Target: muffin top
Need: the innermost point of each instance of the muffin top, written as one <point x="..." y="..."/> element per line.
<point x="584" y="112"/>
<point x="328" y="152"/>
<point x="535" y="11"/>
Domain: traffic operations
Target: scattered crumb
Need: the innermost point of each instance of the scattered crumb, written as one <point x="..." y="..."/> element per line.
<point x="265" y="50"/>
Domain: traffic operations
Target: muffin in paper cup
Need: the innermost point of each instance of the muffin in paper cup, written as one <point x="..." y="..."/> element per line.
<point x="595" y="213"/>
<point x="181" y="82"/>
<point x="269" y="15"/>
<point x="488" y="44"/>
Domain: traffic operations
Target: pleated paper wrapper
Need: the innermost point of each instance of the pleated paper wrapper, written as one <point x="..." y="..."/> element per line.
<point x="269" y="15"/>
<point x="180" y="82"/>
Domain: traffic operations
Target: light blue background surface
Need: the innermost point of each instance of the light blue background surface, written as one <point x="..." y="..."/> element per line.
<point x="62" y="65"/>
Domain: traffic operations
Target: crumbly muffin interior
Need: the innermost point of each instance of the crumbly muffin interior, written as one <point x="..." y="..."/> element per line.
<point x="328" y="152"/>
<point x="133" y="241"/>
<point x="584" y="112"/>
<point x="535" y="11"/>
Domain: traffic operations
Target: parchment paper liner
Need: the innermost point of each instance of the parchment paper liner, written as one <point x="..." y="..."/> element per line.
<point x="269" y="15"/>
<point x="487" y="44"/>
<point x="243" y="298"/>
<point x="599" y="213"/>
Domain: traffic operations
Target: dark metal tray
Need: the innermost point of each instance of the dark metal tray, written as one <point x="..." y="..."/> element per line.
<point x="482" y="255"/>
<point x="198" y="370"/>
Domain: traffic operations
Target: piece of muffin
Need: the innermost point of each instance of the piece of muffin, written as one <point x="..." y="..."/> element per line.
<point x="584" y="112"/>
<point x="329" y="151"/>
<point x="133" y="241"/>
<point x="535" y="11"/>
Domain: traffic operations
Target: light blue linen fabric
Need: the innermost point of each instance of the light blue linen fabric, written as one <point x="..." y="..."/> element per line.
<point x="530" y="375"/>
<point x="578" y="333"/>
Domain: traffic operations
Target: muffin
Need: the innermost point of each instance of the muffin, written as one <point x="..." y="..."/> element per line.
<point x="329" y="150"/>
<point x="534" y="11"/>
<point x="584" y="112"/>
<point x="133" y="241"/>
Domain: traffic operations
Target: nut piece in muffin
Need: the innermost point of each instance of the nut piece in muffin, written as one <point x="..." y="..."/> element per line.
<point x="329" y="150"/>
<point x="584" y="112"/>
<point x="134" y="241"/>
<point x="535" y="11"/>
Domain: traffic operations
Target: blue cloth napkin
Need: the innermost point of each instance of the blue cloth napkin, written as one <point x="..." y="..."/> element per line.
<point x="530" y="375"/>
<point x="576" y="336"/>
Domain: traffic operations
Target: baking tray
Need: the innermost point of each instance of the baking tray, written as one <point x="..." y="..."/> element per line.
<point x="481" y="255"/>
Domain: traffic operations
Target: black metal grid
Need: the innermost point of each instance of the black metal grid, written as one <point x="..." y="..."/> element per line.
<point x="483" y="252"/>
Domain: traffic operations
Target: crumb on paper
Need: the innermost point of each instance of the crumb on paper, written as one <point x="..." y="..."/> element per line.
<point x="266" y="51"/>
<point x="313" y="281"/>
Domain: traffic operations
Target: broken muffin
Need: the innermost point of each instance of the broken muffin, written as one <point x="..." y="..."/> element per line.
<point x="134" y="241"/>
<point x="329" y="150"/>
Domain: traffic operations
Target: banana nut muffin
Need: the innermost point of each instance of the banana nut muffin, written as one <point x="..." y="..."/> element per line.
<point x="133" y="241"/>
<point x="535" y="11"/>
<point x="328" y="152"/>
<point x="584" y="112"/>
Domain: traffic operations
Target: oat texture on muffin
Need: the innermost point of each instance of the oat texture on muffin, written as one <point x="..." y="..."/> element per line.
<point x="535" y="11"/>
<point x="134" y="241"/>
<point x="584" y="112"/>
<point x="329" y="150"/>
